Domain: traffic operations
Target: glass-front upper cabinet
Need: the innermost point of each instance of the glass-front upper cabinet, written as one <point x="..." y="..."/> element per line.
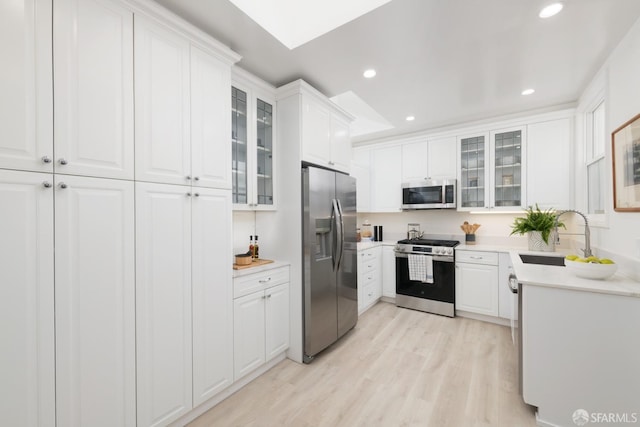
<point x="253" y="139"/>
<point x="239" y="145"/>
<point x="491" y="170"/>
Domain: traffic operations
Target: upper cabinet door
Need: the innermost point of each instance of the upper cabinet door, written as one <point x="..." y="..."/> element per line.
<point x="507" y="174"/>
<point x="162" y="126"/>
<point x="316" y="132"/>
<point x="414" y="161"/>
<point x="26" y="299"/>
<point x="93" y="64"/>
<point x="442" y="158"/>
<point x="210" y="121"/>
<point x="26" y="104"/>
<point x="473" y="182"/>
<point x="340" y="144"/>
<point x="95" y="302"/>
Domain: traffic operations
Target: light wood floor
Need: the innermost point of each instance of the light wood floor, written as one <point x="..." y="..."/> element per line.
<point x="398" y="367"/>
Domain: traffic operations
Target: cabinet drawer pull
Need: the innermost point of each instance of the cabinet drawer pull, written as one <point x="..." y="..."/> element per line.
<point x="475" y="257"/>
<point x="267" y="280"/>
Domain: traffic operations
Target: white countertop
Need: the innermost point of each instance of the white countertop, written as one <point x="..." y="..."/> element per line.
<point x="259" y="269"/>
<point x="363" y="246"/>
<point x="560" y="277"/>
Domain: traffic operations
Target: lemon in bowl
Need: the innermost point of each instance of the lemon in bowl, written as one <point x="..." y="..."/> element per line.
<point x="590" y="267"/>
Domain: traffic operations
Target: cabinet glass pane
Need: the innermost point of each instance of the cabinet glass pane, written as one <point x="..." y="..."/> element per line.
<point x="264" y="135"/>
<point x="472" y="157"/>
<point x="239" y="145"/>
<point x="508" y="176"/>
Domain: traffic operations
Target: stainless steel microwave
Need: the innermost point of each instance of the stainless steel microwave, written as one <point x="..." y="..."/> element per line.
<point x="429" y="194"/>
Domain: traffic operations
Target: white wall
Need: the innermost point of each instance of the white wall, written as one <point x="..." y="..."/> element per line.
<point x="619" y="79"/>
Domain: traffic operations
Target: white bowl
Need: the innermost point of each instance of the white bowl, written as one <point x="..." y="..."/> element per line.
<point x="591" y="270"/>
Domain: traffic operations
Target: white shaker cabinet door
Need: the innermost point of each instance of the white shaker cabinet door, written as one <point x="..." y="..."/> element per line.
<point x="442" y="158"/>
<point x="386" y="179"/>
<point x="477" y="288"/>
<point x="316" y="132"/>
<point x="93" y="64"/>
<point x="340" y="144"/>
<point x="163" y="302"/>
<point x="26" y="103"/>
<point x="210" y="120"/>
<point x="276" y="320"/>
<point x="27" y="389"/>
<point x="212" y="293"/>
<point x="249" y="333"/>
<point x="95" y="302"/>
<point x="162" y="128"/>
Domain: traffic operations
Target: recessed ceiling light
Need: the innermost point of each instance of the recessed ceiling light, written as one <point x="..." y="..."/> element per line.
<point x="410" y="118"/>
<point x="528" y="91"/>
<point x="370" y="73"/>
<point x="550" y="10"/>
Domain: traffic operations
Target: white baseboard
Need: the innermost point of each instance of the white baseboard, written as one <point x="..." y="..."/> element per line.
<point x="484" y="318"/>
<point x="201" y="409"/>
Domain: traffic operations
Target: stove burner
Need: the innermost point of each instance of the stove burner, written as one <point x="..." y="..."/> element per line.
<point x="430" y="242"/>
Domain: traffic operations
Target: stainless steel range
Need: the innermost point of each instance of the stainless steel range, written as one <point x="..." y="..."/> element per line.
<point x="425" y="275"/>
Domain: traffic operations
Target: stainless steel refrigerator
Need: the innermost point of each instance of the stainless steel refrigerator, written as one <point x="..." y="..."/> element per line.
<point x="330" y="271"/>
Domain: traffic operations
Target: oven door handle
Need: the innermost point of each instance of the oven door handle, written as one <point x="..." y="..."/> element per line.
<point x="435" y="257"/>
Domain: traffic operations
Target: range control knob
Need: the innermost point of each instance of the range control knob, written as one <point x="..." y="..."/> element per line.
<point x="449" y="251"/>
<point x="437" y="250"/>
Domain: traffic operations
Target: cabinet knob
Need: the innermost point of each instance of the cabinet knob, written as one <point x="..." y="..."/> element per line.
<point x="62" y="185"/>
<point x="62" y="161"/>
<point x="197" y="194"/>
<point x="188" y="194"/>
<point x="188" y="177"/>
<point x="46" y="184"/>
<point x="197" y="178"/>
<point x="46" y="159"/>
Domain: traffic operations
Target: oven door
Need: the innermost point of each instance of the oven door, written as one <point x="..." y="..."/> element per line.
<point x="443" y="286"/>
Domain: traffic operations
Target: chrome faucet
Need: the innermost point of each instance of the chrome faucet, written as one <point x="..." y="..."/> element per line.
<point x="587" y="233"/>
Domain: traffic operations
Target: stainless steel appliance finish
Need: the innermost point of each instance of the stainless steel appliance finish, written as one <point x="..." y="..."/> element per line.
<point x="429" y="194"/>
<point x="437" y="297"/>
<point x="516" y="326"/>
<point x="330" y="274"/>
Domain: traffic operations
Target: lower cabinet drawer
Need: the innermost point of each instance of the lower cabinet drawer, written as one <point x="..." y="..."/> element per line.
<point x="477" y="257"/>
<point x="254" y="282"/>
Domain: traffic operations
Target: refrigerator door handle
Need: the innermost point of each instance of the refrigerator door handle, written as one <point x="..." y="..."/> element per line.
<point x="337" y="220"/>
<point x="341" y="236"/>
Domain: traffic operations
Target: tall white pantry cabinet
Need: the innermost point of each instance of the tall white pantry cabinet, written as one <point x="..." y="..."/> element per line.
<point x="116" y="295"/>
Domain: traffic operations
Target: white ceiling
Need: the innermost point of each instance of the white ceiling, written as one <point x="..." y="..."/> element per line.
<point x="442" y="61"/>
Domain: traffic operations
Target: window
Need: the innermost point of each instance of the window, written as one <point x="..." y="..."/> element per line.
<point x="595" y="162"/>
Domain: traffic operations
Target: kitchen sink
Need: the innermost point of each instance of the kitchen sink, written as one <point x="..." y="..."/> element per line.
<point x="542" y="259"/>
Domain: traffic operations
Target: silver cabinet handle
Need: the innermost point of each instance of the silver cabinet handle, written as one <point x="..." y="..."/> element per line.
<point x="267" y="280"/>
<point x="188" y="194"/>
<point x="62" y="161"/>
<point x="46" y="184"/>
<point x="197" y="178"/>
<point x="188" y="177"/>
<point x="197" y="194"/>
<point x="475" y="257"/>
<point x="62" y="185"/>
<point x="46" y="159"/>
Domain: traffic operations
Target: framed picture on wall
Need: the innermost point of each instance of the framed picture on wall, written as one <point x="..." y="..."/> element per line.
<point x="625" y="154"/>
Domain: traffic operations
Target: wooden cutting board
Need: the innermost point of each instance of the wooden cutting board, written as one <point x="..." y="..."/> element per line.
<point x="255" y="263"/>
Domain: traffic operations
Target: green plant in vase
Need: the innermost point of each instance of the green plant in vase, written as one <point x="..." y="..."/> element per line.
<point x="536" y="220"/>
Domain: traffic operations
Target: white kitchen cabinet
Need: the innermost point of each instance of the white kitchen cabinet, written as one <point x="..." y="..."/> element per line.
<point x="369" y="277"/>
<point x="261" y="319"/>
<point x="549" y="164"/>
<point x="388" y="271"/>
<point x="386" y="179"/>
<point x="95" y="302"/>
<point x="429" y="159"/>
<point x="210" y="121"/>
<point x="254" y="147"/>
<point x="477" y="282"/>
<point x="360" y="170"/>
<point x="212" y="293"/>
<point x="324" y="135"/>
<point x="162" y="101"/>
<point x="163" y="302"/>
<point x="93" y="69"/>
<point x="492" y="170"/>
<point x="27" y="366"/>
<point x="26" y="104"/>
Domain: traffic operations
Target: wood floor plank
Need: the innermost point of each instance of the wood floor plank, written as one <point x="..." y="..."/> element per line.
<point x="398" y="367"/>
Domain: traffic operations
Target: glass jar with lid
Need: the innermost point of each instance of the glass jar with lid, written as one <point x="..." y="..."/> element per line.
<point x="366" y="231"/>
